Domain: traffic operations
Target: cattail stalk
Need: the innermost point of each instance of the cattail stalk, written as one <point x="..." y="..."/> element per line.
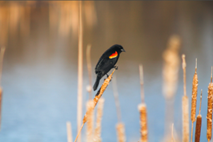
<point x="120" y="126"/>
<point x="142" y="110"/>
<point x="89" y="68"/>
<point x="115" y="92"/>
<point x="185" y="105"/>
<point x="209" y="111"/>
<point x="170" y="80"/>
<point x="1" y="66"/>
<point x="97" y="135"/>
<point x="69" y="132"/>
<point x="173" y="139"/>
<point x="198" y="123"/>
<point x="1" y="61"/>
<point x="194" y="99"/>
<point x="90" y="121"/>
<point x="95" y="100"/>
<point x="80" y="71"/>
<point x="120" y="132"/>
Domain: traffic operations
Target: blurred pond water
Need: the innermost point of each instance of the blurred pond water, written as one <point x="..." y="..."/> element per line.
<point x="40" y="68"/>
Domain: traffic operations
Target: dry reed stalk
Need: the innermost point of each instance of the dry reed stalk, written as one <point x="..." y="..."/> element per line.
<point x="185" y="105"/>
<point x="120" y="126"/>
<point x="142" y="110"/>
<point x="1" y="61"/>
<point x="141" y="82"/>
<point x="115" y="92"/>
<point x="120" y="132"/>
<point x="89" y="68"/>
<point x="0" y="104"/>
<point x="170" y="79"/>
<point x="194" y="99"/>
<point x="4" y="20"/>
<point x="143" y="122"/>
<point x="1" y="66"/>
<point x="209" y="111"/>
<point x="95" y="100"/>
<point x="69" y="132"/>
<point x="173" y="139"/>
<point x="80" y="71"/>
<point x="198" y="122"/>
<point x="90" y="121"/>
<point x="97" y="135"/>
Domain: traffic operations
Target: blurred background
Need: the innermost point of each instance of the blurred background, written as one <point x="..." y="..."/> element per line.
<point x="39" y="77"/>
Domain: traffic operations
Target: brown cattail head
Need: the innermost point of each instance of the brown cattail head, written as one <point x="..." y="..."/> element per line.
<point x="198" y="128"/>
<point x="209" y="111"/>
<point x="185" y="115"/>
<point x="194" y="95"/>
<point x="120" y="132"/>
<point x="97" y="135"/>
<point x="143" y="122"/>
<point x="198" y="122"/>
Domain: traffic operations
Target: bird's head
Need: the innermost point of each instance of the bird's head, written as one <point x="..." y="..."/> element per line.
<point x="119" y="48"/>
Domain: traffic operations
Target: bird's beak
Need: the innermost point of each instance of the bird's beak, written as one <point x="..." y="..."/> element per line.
<point x="123" y="50"/>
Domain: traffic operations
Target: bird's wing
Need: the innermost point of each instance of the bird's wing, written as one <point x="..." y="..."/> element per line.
<point x="101" y="63"/>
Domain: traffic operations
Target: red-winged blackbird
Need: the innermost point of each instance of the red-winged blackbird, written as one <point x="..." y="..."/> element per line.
<point x="107" y="62"/>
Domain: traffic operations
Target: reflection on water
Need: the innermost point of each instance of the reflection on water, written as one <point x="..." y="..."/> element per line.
<point x="40" y="65"/>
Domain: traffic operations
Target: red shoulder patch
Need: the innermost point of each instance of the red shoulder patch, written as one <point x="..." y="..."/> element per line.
<point x="113" y="55"/>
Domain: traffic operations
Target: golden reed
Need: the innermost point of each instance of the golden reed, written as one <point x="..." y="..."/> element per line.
<point x="97" y="135"/>
<point x="209" y="110"/>
<point x="142" y="110"/>
<point x="120" y="132"/>
<point x="95" y="100"/>
<point x="185" y="105"/>
<point x="194" y="98"/>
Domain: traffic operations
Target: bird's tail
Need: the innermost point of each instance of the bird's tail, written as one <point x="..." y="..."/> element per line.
<point x="95" y="86"/>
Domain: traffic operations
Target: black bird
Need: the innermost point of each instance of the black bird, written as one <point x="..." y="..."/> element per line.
<point x="107" y="62"/>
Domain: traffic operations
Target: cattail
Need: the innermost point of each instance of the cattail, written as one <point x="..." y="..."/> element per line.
<point x="170" y="80"/>
<point x="194" y="99"/>
<point x="89" y="68"/>
<point x="142" y="110"/>
<point x="80" y="71"/>
<point x="120" y="132"/>
<point x="95" y="100"/>
<point x="120" y="126"/>
<point x="1" y="65"/>
<point x="69" y="132"/>
<point x="198" y="122"/>
<point x="97" y="135"/>
<point x="1" y="62"/>
<point x="173" y="139"/>
<point x="143" y="122"/>
<point x="0" y="104"/>
<point x="90" y="120"/>
<point x="209" y="111"/>
<point x="171" y="67"/>
<point x="185" y="106"/>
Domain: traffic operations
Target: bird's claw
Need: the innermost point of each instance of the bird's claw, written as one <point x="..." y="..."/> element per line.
<point x="116" y="67"/>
